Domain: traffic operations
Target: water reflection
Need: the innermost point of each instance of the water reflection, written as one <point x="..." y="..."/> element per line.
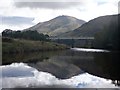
<point x="109" y="64"/>
<point x="29" y="57"/>
<point x="68" y="63"/>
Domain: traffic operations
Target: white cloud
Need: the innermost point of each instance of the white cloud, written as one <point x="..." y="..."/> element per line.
<point x="14" y="27"/>
<point x="87" y="10"/>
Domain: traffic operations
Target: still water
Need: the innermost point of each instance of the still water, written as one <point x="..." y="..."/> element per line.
<point x="77" y="67"/>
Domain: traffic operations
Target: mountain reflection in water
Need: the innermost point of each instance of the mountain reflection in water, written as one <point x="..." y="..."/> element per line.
<point x="68" y="63"/>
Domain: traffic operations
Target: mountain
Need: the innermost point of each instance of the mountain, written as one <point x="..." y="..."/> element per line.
<point x="58" y="25"/>
<point x="109" y="37"/>
<point x="93" y="26"/>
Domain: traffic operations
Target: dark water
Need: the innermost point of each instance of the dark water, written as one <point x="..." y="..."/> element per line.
<point x="68" y="63"/>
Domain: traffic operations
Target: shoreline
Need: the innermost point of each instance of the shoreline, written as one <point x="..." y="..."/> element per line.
<point x="15" y="46"/>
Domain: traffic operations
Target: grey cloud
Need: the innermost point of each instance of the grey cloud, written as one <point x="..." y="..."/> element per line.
<point x="48" y="5"/>
<point x="119" y="7"/>
<point x="15" y="20"/>
<point x="101" y="2"/>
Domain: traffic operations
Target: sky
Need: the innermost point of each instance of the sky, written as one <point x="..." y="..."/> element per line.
<point x="22" y="14"/>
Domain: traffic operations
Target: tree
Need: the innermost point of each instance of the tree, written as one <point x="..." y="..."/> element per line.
<point x="30" y="35"/>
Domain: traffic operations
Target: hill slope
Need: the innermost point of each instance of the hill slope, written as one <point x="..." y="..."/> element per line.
<point x="58" y="25"/>
<point x="93" y="26"/>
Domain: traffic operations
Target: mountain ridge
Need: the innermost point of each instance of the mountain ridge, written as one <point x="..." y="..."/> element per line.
<point x="57" y="25"/>
<point x="93" y="26"/>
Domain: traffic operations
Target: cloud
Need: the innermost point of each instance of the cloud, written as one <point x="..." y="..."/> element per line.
<point x="15" y="20"/>
<point x="119" y="7"/>
<point x="44" y="10"/>
<point x="47" y="5"/>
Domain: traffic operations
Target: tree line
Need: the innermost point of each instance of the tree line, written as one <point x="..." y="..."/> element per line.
<point x="29" y="35"/>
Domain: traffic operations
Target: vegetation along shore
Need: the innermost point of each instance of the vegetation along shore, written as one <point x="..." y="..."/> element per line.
<point x="20" y="44"/>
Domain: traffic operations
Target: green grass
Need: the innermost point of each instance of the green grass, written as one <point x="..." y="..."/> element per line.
<point x="22" y="46"/>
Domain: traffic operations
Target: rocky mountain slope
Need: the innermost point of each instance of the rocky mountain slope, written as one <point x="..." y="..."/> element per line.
<point x="58" y="25"/>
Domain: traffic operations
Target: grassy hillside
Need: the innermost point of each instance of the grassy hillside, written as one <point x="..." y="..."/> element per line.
<point x="104" y="29"/>
<point x="57" y="26"/>
<point x="108" y="38"/>
<point x="92" y="27"/>
<point x="22" y="46"/>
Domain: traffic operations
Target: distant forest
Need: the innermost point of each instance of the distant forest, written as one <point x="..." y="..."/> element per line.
<point x="29" y="35"/>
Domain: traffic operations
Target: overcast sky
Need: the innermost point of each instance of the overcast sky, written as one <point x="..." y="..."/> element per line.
<point x="18" y="14"/>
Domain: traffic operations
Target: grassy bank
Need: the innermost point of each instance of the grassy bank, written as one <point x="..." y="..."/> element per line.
<point x="22" y="46"/>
